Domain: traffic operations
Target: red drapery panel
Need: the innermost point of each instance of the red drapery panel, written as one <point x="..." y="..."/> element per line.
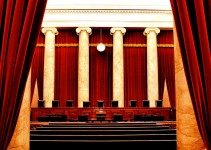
<point x="100" y="64"/>
<point x="135" y="67"/>
<point x="166" y="72"/>
<point x="37" y="67"/>
<point x="20" y="22"/>
<point x="193" y="22"/>
<point x="66" y="67"/>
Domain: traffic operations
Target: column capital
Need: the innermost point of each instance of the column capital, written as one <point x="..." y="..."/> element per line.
<point x="52" y="29"/>
<point x="87" y="29"/>
<point x="113" y="30"/>
<point x="148" y="30"/>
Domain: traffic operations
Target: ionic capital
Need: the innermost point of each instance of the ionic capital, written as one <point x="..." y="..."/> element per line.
<point x="113" y="30"/>
<point x="148" y="30"/>
<point x="88" y="30"/>
<point x="52" y="29"/>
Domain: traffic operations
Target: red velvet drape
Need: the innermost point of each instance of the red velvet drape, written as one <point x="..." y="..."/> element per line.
<point x="20" y="22"/>
<point x="37" y="67"/>
<point x="66" y="67"/>
<point x="193" y="22"/>
<point x="166" y="72"/>
<point x="100" y="63"/>
<point x="135" y="68"/>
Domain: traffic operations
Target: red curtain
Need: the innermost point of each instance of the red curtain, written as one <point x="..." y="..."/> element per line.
<point x="37" y="67"/>
<point x="20" y="22"/>
<point x="100" y="63"/>
<point x="66" y="67"/>
<point x="135" y="68"/>
<point x="166" y="70"/>
<point x="193" y="22"/>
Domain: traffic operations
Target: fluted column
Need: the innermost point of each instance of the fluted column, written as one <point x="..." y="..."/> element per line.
<point x="188" y="136"/>
<point x="152" y="65"/>
<point x="83" y="65"/>
<point x="49" y="65"/>
<point x="118" y="66"/>
<point x="20" y="139"/>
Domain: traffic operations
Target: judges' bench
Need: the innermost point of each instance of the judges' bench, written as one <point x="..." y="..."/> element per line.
<point x="106" y="113"/>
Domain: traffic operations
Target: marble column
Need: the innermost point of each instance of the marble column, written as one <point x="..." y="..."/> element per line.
<point x="152" y="65"/>
<point x="83" y="65"/>
<point x="21" y="136"/>
<point x="118" y="65"/>
<point x="188" y="136"/>
<point x="49" y="65"/>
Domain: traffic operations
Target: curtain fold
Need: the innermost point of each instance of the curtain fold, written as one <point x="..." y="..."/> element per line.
<point x="135" y="68"/>
<point x="66" y="68"/>
<point x="20" y="22"/>
<point x="193" y="21"/>
<point x="37" y="67"/>
<point x="100" y="71"/>
<point x="166" y="70"/>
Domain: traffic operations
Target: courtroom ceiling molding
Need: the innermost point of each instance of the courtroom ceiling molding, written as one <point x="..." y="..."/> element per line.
<point x="119" y="11"/>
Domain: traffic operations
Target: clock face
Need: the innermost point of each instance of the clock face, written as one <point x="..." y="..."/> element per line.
<point x="101" y="47"/>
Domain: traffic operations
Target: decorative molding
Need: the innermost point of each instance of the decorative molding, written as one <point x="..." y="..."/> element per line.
<point x="66" y="11"/>
<point x="107" y="45"/>
<point x="108" y="18"/>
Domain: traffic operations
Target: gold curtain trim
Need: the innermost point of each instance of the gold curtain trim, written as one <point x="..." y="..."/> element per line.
<point x="107" y="45"/>
<point x="165" y="45"/>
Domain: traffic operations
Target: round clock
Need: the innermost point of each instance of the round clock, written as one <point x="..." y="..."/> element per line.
<point x="101" y="47"/>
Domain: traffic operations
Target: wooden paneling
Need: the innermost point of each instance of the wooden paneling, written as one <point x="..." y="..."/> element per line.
<point x="72" y="113"/>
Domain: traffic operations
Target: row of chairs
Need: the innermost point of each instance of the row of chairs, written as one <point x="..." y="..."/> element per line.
<point x="100" y="103"/>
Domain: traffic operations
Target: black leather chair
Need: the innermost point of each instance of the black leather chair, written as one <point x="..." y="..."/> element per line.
<point x="133" y="103"/>
<point x="100" y="103"/>
<point x="114" y="103"/>
<point x="69" y="103"/>
<point x="55" y="103"/>
<point x="41" y="103"/>
<point x="145" y="103"/>
<point x="86" y="104"/>
<point x="158" y="103"/>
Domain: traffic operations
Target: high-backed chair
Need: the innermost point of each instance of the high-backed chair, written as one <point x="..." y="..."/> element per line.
<point x="55" y="103"/>
<point x="114" y="103"/>
<point x="133" y="103"/>
<point x="41" y="103"/>
<point x="158" y="103"/>
<point x="100" y="103"/>
<point x="86" y="104"/>
<point x="69" y="103"/>
<point x="145" y="103"/>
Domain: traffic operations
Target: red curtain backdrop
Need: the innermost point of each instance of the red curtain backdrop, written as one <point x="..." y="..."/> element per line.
<point x="37" y="67"/>
<point x="66" y="67"/>
<point x="193" y="22"/>
<point x="20" y="23"/>
<point x="166" y="72"/>
<point x="135" y="68"/>
<point x="100" y="71"/>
